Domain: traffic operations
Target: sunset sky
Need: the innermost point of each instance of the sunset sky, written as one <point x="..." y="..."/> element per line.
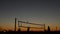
<point x="35" y="11"/>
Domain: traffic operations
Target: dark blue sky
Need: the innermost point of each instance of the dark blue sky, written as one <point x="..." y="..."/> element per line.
<point x="35" y="11"/>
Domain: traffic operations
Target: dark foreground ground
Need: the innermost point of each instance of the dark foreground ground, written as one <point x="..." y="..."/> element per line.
<point x="13" y="32"/>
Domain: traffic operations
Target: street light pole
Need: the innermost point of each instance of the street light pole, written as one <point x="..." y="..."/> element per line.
<point x="15" y="23"/>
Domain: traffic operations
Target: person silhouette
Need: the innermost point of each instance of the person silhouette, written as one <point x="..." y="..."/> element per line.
<point x="19" y="30"/>
<point x="28" y="29"/>
<point x="48" y="29"/>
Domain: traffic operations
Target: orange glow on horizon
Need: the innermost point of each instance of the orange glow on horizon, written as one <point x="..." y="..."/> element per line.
<point x="22" y="29"/>
<point x="52" y="28"/>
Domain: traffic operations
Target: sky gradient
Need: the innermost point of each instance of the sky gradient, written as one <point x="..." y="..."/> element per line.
<point x="35" y="11"/>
